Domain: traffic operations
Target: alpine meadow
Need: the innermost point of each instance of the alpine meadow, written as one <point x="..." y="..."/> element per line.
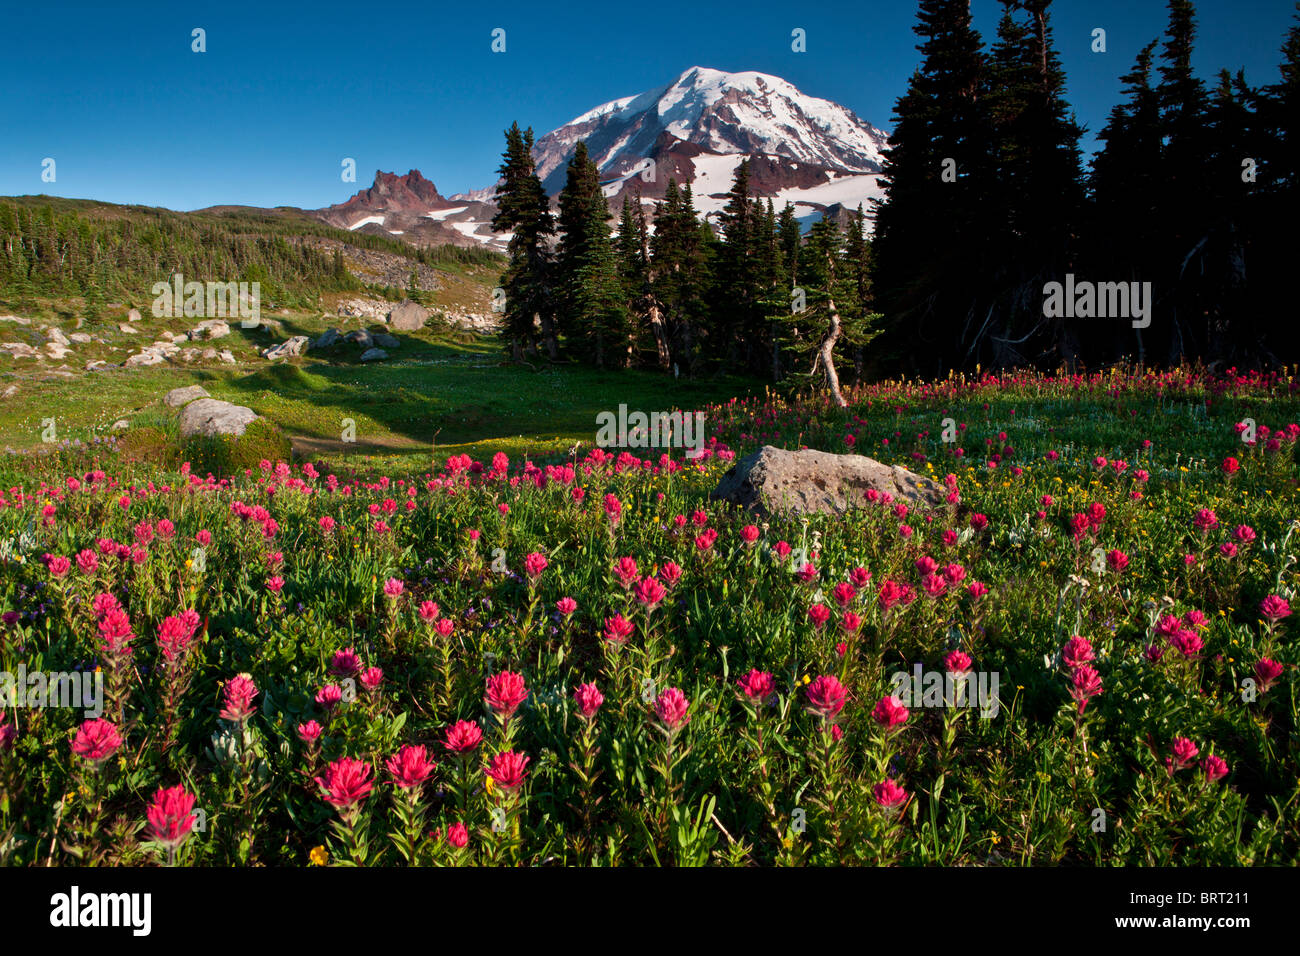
<point x="712" y="479"/>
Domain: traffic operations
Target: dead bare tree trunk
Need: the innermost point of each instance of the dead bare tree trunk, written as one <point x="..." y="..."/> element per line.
<point x="826" y="351"/>
<point x="653" y="312"/>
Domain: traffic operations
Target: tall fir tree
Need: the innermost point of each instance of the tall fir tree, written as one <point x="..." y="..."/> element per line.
<point x="524" y="211"/>
<point x="591" y="293"/>
<point x="682" y="276"/>
<point x="936" y="179"/>
<point x="1037" y="192"/>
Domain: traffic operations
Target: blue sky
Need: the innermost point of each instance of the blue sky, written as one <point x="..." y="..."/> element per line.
<point x="130" y="114"/>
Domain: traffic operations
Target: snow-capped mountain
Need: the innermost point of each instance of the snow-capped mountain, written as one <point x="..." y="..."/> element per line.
<point x="722" y="113"/>
<point x="812" y="153"/>
<point x="815" y="154"/>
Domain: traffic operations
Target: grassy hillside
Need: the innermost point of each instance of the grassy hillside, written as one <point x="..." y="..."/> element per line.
<point x="92" y="254"/>
<point x="442" y="383"/>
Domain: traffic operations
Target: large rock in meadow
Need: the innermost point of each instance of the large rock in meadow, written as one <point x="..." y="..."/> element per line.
<point x="288" y="348"/>
<point x="207" y="416"/>
<point x="773" y="480"/>
<point x="407" y="316"/>
<point x="327" y="339"/>
<point x="209" y="329"/>
<point x="182" y="396"/>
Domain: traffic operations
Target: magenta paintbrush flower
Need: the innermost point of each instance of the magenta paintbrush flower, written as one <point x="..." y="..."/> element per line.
<point x="957" y="662"/>
<point x="1273" y="608"/>
<point x="505" y="692"/>
<point x="458" y="836"/>
<point x="345" y="663"/>
<point x="463" y="736"/>
<point x="625" y="570"/>
<point x="819" y="614"/>
<point x="889" y="794"/>
<point x="649" y="593"/>
<point x="171" y="816"/>
<point x="1215" y="768"/>
<point x="410" y="767"/>
<point x="329" y="696"/>
<point x="507" y="769"/>
<point x="758" y="686"/>
<point x="1085" y="684"/>
<point x="346" y="782"/>
<point x="237" y="698"/>
<point x="618" y="629"/>
<point x="889" y="713"/>
<point x="96" y="740"/>
<point x="1076" y="652"/>
<point x="1267" y="672"/>
<point x="534" y="564"/>
<point x="588" y="699"/>
<point x="670" y="708"/>
<point x="826" y="696"/>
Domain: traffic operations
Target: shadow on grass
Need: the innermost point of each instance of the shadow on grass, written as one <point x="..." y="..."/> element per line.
<point x="403" y="404"/>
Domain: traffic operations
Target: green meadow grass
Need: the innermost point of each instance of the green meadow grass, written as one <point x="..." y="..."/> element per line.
<point x="444" y="391"/>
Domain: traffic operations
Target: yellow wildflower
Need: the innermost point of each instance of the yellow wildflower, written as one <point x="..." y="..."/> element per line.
<point x="318" y="856"/>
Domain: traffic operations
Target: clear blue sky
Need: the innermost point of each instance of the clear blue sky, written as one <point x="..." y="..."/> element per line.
<point x="284" y="92"/>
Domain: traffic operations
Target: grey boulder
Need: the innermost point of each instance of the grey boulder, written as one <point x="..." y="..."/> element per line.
<point x="373" y="355"/>
<point x="773" y="480"/>
<point x="209" y="329"/>
<point x="182" y="396"/>
<point x="327" y="339"/>
<point x="407" y="316"/>
<point x="289" y="347"/>
<point x="207" y="416"/>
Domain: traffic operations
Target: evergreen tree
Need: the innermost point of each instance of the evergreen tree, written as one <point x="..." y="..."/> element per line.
<point x="1185" y="180"/>
<point x="1038" y="196"/>
<point x="738" y="318"/>
<point x="857" y="301"/>
<point x="524" y="211"/>
<point x="1280" y="109"/>
<point x="681" y="274"/>
<point x="929" y="245"/>
<point x="588" y="280"/>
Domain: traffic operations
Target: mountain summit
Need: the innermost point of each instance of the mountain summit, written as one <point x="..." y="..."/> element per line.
<point x="815" y="154"/>
<point x="721" y="113"/>
<point x="410" y="206"/>
<point x="809" y="152"/>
